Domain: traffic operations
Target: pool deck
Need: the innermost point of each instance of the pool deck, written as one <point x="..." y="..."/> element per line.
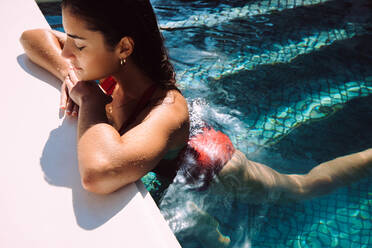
<point x="42" y="201"/>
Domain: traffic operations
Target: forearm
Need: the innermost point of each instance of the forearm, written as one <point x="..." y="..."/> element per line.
<point x="91" y="114"/>
<point x="44" y="49"/>
<point x="98" y="143"/>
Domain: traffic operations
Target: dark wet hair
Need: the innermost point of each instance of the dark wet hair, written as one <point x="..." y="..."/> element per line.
<point x="116" y="19"/>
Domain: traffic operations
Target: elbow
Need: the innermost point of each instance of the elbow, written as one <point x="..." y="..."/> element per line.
<point x="93" y="180"/>
<point x="99" y="179"/>
<point x="92" y="170"/>
<point x="100" y="187"/>
<point x="91" y="183"/>
<point x="26" y="36"/>
<point x="31" y="36"/>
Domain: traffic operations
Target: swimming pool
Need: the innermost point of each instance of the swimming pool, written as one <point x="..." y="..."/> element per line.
<point x="290" y="82"/>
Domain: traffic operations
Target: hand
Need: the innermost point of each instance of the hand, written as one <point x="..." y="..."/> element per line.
<point x="66" y="102"/>
<point x="83" y="91"/>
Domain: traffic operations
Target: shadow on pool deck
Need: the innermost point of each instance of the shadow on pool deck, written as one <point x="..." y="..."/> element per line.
<point x="60" y="166"/>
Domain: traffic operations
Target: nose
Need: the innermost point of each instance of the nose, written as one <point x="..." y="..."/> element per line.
<point x="67" y="51"/>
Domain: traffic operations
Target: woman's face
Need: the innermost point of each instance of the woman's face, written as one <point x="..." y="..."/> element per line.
<point x="86" y="49"/>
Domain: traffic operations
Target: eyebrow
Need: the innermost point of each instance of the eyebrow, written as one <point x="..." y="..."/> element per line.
<point x="76" y="37"/>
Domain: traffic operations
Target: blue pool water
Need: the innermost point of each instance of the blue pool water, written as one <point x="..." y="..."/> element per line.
<point x="290" y="82"/>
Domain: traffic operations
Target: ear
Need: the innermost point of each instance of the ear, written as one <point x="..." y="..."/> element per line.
<point x="125" y="47"/>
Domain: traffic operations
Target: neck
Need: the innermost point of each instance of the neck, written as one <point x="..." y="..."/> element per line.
<point x="132" y="81"/>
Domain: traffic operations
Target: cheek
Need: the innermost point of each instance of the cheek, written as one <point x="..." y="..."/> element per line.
<point x="99" y="66"/>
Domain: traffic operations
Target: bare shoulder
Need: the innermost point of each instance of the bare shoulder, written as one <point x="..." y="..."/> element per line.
<point x="174" y="105"/>
<point x="171" y="116"/>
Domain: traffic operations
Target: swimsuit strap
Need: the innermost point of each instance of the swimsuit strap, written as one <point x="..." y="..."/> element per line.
<point x="108" y="85"/>
<point x="140" y="106"/>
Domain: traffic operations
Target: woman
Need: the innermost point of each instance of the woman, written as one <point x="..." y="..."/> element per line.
<point x="144" y="125"/>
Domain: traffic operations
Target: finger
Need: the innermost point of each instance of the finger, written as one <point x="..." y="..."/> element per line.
<point x="69" y="83"/>
<point x="63" y="99"/>
<point x="70" y="106"/>
<point x="75" y="110"/>
<point x="73" y="76"/>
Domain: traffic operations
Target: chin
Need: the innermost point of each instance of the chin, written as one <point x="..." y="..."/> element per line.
<point x="82" y="76"/>
<point x="89" y="79"/>
<point x="79" y="74"/>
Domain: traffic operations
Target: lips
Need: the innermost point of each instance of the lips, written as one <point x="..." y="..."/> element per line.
<point x="76" y="67"/>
